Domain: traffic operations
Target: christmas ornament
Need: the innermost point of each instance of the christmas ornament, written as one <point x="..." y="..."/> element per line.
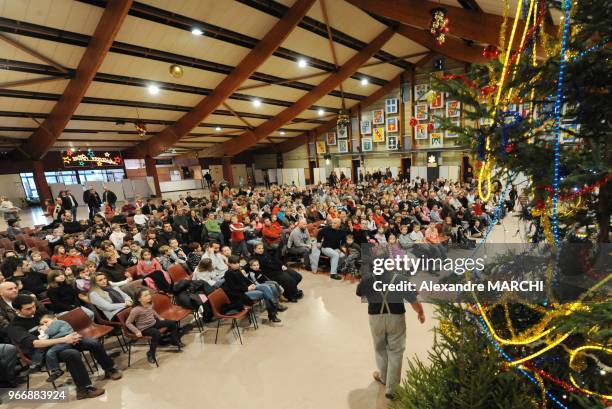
<point x="413" y="122"/>
<point x="487" y="90"/>
<point x="430" y="127"/>
<point x="439" y="64"/>
<point x="510" y="148"/>
<point x="176" y="71"/>
<point x="490" y="52"/>
<point x="344" y="120"/>
<point x="141" y="128"/>
<point x="439" y="25"/>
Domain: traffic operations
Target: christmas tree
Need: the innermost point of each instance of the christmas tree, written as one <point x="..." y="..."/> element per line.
<point x="546" y="117"/>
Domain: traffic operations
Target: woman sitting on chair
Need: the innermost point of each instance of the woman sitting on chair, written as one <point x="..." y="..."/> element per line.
<point x="108" y="299"/>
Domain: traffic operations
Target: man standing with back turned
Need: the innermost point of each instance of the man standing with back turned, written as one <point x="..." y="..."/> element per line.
<point x="388" y="325"/>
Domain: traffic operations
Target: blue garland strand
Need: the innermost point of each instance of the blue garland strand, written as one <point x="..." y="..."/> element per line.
<point x="558" y="102"/>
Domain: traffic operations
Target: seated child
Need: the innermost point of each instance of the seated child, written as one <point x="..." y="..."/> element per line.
<point x="353" y="254"/>
<point x="51" y="328"/>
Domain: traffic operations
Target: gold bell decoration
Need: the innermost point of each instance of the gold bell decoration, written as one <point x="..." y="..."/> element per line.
<point x="176" y="71"/>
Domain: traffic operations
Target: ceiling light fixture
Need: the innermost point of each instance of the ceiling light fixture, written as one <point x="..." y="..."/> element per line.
<point x="282" y="132"/>
<point x="302" y="63"/>
<point x="218" y="129"/>
<point x="153" y="89"/>
<point x="197" y="32"/>
<point x="321" y="112"/>
<point x="364" y="82"/>
<point x="257" y="103"/>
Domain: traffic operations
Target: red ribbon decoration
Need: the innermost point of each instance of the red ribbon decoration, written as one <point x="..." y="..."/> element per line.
<point x="558" y="382"/>
<point x="584" y="190"/>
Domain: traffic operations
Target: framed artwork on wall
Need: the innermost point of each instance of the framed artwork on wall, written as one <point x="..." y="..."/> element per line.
<point x="366" y="127"/>
<point x="391" y="106"/>
<point x="378" y="117"/>
<point x="420" y="112"/>
<point x="342" y="145"/>
<point x="451" y="134"/>
<point x="379" y="134"/>
<point x="342" y="132"/>
<point x="420" y="131"/>
<point x="392" y="143"/>
<point x="392" y="124"/>
<point x="321" y="148"/>
<point x="453" y="109"/>
<point x="437" y="101"/>
<point x="435" y="140"/>
<point x="331" y="138"/>
<point x="366" y="144"/>
<point x="419" y="91"/>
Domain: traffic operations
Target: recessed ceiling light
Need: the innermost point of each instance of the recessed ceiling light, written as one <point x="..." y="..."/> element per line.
<point x="197" y="32"/>
<point x="302" y="63"/>
<point x="153" y="89"/>
<point x="321" y="112"/>
<point x="218" y="129"/>
<point x="282" y="132"/>
<point x="364" y="82"/>
<point x="257" y="102"/>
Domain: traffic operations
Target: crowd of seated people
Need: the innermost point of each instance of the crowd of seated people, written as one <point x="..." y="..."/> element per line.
<point x="236" y="240"/>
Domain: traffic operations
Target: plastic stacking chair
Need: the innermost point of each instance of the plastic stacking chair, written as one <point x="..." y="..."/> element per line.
<point x="168" y="311"/>
<point x="130" y="337"/>
<point x="217" y="299"/>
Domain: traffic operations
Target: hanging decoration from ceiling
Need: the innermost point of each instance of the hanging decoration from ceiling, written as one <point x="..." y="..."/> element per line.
<point x="141" y="128"/>
<point x="439" y="25"/>
<point x="176" y="71"/>
<point x="89" y="158"/>
<point x="344" y="120"/>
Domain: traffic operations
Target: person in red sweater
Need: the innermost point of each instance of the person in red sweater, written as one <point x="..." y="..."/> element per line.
<point x="74" y="258"/>
<point x="271" y="234"/>
<point x="378" y="217"/>
<point x="58" y="257"/>
<point x="239" y="246"/>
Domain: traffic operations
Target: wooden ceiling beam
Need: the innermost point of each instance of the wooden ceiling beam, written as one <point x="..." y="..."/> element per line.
<point x="304" y="137"/>
<point x="40" y="142"/>
<point x="467" y="24"/>
<point x="452" y="47"/>
<point x="33" y="53"/>
<point x="257" y="56"/>
<point x="250" y="138"/>
<point x="332" y="47"/>
<point x="31" y="81"/>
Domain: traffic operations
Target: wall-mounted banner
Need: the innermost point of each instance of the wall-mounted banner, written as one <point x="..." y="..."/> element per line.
<point x="90" y="159"/>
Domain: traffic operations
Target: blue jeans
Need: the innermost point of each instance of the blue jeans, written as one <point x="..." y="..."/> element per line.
<point x="263" y="292"/>
<point x="336" y="258"/>
<point x="49" y="356"/>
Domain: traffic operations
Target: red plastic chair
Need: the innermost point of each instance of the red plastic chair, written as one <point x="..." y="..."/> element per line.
<point x="217" y="300"/>
<point x="177" y="272"/>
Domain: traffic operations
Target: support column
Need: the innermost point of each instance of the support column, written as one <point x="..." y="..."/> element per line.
<point x="151" y="167"/>
<point x="40" y="180"/>
<point x="228" y="175"/>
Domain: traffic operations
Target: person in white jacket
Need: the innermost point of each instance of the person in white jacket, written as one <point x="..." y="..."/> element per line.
<point x="117" y="236"/>
<point x="217" y="259"/>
